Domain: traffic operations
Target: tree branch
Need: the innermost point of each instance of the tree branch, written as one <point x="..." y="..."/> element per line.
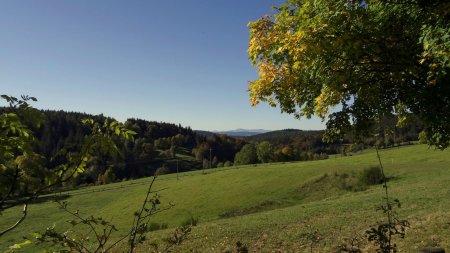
<point x="24" y="215"/>
<point x="11" y="190"/>
<point x="137" y="222"/>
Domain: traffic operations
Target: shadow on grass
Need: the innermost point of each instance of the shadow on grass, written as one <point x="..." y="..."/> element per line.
<point x="320" y="188"/>
<point x="46" y="198"/>
<point x="40" y="199"/>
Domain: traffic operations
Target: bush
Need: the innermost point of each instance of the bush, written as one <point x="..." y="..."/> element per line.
<point x="228" y="164"/>
<point x="371" y="176"/>
<point x="422" y="137"/>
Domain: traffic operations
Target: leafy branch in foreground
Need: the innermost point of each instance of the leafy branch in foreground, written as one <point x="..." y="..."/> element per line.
<point x="102" y="230"/>
<point x="19" y="165"/>
<point x="99" y="228"/>
<point x="23" y="176"/>
<point x="141" y="221"/>
<point x="383" y="234"/>
<point x="16" y="141"/>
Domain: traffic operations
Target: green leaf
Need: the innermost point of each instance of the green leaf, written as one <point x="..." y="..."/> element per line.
<point x="20" y="245"/>
<point x="36" y="235"/>
<point x="80" y="169"/>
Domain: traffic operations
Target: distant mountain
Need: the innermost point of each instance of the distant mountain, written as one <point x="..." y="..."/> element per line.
<point x="234" y="133"/>
<point x="204" y="133"/>
<point x="243" y="132"/>
<point x="286" y="136"/>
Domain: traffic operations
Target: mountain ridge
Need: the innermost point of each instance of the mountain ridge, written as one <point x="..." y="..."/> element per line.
<point x="239" y="132"/>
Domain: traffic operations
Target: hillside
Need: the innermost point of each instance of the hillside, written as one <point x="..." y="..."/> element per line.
<point x="270" y="207"/>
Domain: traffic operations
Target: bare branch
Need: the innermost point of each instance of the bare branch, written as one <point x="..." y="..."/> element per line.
<point x="22" y="218"/>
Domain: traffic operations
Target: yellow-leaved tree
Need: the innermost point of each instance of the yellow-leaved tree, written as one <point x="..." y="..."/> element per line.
<point x="366" y="59"/>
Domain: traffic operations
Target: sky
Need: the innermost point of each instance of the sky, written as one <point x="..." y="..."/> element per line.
<point x="178" y="61"/>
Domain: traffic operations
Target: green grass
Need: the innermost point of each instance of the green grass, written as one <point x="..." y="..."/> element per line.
<point x="269" y="207"/>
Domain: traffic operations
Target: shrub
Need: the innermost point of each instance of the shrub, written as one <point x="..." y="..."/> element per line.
<point x="228" y="164"/>
<point x="371" y="176"/>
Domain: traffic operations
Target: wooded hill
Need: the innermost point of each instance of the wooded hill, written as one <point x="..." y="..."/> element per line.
<point x="298" y="145"/>
<point x="171" y="147"/>
<point x="157" y="145"/>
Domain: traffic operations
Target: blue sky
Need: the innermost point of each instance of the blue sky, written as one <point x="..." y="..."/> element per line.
<point x="174" y="61"/>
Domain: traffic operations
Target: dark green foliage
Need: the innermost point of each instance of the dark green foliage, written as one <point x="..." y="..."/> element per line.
<point x="247" y="155"/>
<point x="223" y="147"/>
<point x="371" y="176"/>
<point x="264" y="150"/>
<point x="21" y="169"/>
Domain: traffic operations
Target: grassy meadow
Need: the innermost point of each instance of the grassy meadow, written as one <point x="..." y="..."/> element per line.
<point x="272" y="207"/>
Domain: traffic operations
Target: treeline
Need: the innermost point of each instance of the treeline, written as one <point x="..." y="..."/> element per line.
<point x="288" y="145"/>
<point x="157" y="146"/>
<point x="298" y="145"/>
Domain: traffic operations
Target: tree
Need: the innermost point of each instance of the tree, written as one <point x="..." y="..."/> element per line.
<point x="16" y="152"/>
<point x="247" y="155"/>
<point x="264" y="150"/>
<point x="366" y="59"/>
<point x="215" y="161"/>
<point x="200" y="151"/>
<point x="206" y="164"/>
